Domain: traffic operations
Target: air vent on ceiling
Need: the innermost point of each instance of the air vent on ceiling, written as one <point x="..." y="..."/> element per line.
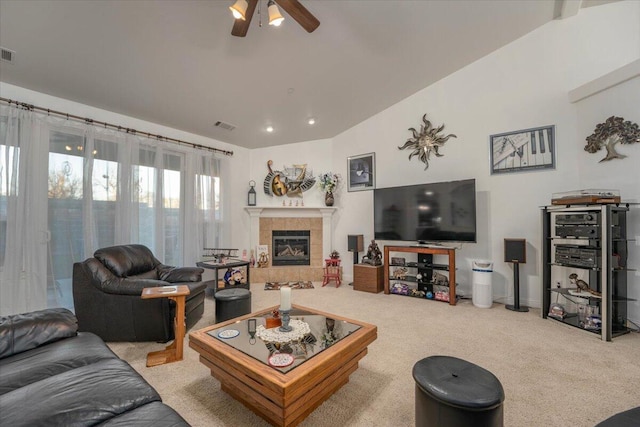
<point x="225" y="126"/>
<point x="7" y="55"/>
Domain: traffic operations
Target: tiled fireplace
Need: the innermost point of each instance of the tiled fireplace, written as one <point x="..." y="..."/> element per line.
<point x="290" y="247"/>
<point x="296" y="223"/>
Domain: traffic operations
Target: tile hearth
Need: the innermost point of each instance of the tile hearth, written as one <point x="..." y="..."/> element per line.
<point x="264" y="220"/>
<point x="312" y="272"/>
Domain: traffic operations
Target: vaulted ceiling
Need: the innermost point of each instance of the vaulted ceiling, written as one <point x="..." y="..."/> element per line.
<point x="176" y="63"/>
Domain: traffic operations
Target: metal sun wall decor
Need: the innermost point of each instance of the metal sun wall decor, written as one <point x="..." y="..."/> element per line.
<point x="426" y="141"/>
<point x="614" y="130"/>
<point x="290" y="182"/>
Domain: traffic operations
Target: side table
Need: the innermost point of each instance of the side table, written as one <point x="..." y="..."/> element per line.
<point x="368" y="278"/>
<point x="229" y="264"/>
<point x="173" y="352"/>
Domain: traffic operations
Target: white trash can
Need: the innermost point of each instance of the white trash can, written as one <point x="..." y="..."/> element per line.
<point x="482" y="289"/>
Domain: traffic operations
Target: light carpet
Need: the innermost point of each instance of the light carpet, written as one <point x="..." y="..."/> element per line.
<point x="552" y="374"/>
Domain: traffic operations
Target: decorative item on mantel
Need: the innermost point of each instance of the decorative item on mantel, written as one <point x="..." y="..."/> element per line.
<point x="328" y="182"/>
<point x="609" y="133"/>
<point x="251" y="195"/>
<point x="290" y="182"/>
<point x="426" y="141"/>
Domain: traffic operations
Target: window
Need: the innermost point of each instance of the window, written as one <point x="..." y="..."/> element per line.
<point x="83" y="188"/>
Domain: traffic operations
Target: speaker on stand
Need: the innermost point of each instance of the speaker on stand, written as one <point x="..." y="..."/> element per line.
<point x="355" y="244"/>
<point x="515" y="251"/>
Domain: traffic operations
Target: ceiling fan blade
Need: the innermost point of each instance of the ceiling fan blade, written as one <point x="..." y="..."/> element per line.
<point x="300" y="14"/>
<point x="241" y="27"/>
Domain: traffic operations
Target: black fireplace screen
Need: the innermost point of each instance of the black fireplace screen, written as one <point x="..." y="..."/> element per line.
<point x="290" y="247"/>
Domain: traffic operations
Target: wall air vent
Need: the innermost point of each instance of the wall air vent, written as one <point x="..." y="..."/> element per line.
<point x="7" y="55"/>
<point x="225" y="126"/>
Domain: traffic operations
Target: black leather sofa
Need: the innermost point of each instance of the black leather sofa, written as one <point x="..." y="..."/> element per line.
<point x="107" y="288"/>
<point x="51" y="375"/>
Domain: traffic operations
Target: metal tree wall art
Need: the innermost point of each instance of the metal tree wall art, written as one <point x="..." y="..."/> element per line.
<point x="427" y="141"/>
<point x="614" y="130"/>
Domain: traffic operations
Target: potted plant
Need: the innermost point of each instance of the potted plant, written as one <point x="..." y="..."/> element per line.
<point x="328" y="182"/>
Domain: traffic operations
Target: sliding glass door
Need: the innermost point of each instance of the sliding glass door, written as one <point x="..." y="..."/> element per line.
<point x="82" y="190"/>
<point x="68" y="189"/>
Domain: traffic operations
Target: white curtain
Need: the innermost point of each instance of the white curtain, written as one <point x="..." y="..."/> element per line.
<point x="69" y="188"/>
<point x="204" y="206"/>
<point x="23" y="213"/>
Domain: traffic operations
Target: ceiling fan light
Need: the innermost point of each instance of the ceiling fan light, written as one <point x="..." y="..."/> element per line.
<point x="239" y="9"/>
<point x="275" y="18"/>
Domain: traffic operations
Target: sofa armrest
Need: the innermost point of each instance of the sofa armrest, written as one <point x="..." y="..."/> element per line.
<point x="180" y="274"/>
<point x="22" y="332"/>
<point x="125" y="286"/>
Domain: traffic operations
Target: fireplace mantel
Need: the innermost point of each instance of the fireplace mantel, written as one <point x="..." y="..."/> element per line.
<point x="326" y="213"/>
<point x="289" y="211"/>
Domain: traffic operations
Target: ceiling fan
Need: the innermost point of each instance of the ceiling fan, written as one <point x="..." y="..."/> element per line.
<point x="243" y="12"/>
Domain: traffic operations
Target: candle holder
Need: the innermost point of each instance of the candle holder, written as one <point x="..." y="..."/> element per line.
<point x="285" y="321"/>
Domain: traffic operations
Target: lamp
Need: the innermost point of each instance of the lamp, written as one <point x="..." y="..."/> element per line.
<point x="275" y="18"/>
<point x="251" y="195"/>
<point x="239" y="9"/>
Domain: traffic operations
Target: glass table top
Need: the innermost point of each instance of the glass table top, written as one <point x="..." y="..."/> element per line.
<point x="285" y="355"/>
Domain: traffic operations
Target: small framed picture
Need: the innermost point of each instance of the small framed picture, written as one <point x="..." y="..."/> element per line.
<point x="397" y="261"/>
<point x="362" y="172"/>
<point x="262" y="249"/>
<point x="523" y="150"/>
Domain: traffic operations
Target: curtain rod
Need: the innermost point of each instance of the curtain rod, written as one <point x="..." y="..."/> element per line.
<point x="32" y="107"/>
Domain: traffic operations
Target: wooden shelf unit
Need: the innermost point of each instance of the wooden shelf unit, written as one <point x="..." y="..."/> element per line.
<point x="449" y="252"/>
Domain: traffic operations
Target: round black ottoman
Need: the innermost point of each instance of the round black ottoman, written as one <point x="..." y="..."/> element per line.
<point x="452" y="392"/>
<point x="232" y="303"/>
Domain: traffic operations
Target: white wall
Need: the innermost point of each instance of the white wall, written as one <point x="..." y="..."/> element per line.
<point x="524" y="84"/>
<point x="622" y="101"/>
<point x="238" y="161"/>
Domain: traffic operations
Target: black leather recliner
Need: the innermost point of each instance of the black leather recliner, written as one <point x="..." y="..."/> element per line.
<point x="107" y="288"/>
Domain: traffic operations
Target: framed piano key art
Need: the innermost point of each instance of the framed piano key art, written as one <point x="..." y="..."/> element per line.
<point x="523" y="150"/>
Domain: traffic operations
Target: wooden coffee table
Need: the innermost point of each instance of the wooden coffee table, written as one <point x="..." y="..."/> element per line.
<point x="284" y="396"/>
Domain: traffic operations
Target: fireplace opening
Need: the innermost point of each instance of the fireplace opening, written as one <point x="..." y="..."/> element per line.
<point x="290" y="247"/>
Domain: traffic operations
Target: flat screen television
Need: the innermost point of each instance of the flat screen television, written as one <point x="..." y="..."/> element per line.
<point x="434" y="212"/>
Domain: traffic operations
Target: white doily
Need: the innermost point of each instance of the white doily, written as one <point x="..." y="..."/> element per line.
<point x="298" y="331"/>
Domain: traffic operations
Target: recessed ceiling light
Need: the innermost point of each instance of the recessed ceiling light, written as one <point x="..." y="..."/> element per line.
<point x="311" y="121"/>
<point x="269" y="129"/>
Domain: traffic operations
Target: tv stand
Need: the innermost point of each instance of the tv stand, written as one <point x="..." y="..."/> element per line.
<point x="427" y="268"/>
<point x="425" y="244"/>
